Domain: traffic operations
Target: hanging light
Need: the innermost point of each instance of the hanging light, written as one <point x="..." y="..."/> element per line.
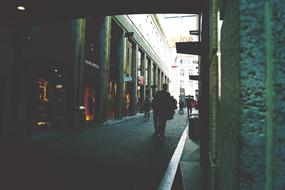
<point x="21" y="8"/>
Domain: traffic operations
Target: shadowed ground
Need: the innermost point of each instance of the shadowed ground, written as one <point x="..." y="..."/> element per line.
<point x="116" y="156"/>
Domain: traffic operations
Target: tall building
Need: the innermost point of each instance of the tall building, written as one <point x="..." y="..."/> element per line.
<point x="177" y="29"/>
<point x="183" y="67"/>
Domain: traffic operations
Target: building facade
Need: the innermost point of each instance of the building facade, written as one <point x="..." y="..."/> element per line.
<point x="183" y="67"/>
<point x="65" y="74"/>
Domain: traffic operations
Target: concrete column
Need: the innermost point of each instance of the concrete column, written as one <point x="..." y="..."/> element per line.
<point x="161" y="78"/>
<point x="17" y="74"/>
<point x="150" y="76"/>
<point x="121" y="54"/>
<point x="143" y="71"/>
<point x="262" y="90"/>
<point x="204" y="94"/>
<point x="28" y="98"/>
<point x="252" y="98"/>
<point x="134" y="78"/>
<point x="275" y="85"/>
<point x="104" y="61"/>
<point x="73" y="74"/>
<point x="80" y="59"/>
<point x="158" y="79"/>
<point x="213" y="92"/>
<point x="154" y="79"/>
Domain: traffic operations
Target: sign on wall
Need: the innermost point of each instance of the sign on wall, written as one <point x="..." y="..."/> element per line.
<point x="175" y="39"/>
<point x="127" y="79"/>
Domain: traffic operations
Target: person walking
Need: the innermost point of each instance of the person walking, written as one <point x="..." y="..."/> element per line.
<point x="189" y="108"/>
<point x="155" y="116"/>
<point x="146" y="108"/>
<point x="181" y="106"/>
<point x="163" y="108"/>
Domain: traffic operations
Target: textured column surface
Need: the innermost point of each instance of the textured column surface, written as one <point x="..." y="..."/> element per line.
<point x="74" y="73"/>
<point x="121" y="87"/>
<point x="104" y="60"/>
<point x="229" y="120"/>
<point x="253" y="95"/>
<point x="278" y="61"/>
<point x="134" y="78"/>
<point x="252" y="100"/>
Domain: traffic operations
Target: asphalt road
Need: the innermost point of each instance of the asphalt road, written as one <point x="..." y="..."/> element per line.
<point x="116" y="156"/>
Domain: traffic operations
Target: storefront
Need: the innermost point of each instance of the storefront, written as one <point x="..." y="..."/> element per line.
<point x="141" y="81"/>
<point x="91" y="93"/>
<point x="128" y="79"/>
<point x="53" y="55"/>
<point x="147" y="77"/>
<point x="50" y="97"/>
<point x="91" y="75"/>
<point x="112" y="110"/>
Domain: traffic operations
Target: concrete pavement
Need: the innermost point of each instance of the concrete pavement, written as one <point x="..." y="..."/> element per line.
<point x="123" y="155"/>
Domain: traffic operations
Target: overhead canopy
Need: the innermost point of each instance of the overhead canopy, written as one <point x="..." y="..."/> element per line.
<point x="49" y="10"/>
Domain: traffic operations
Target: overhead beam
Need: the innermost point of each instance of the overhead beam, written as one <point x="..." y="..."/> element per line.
<point x="194" y="48"/>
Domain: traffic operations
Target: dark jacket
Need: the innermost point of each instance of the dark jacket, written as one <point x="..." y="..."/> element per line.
<point x="163" y="105"/>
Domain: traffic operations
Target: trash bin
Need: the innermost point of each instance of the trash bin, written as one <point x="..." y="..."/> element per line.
<point x="194" y="128"/>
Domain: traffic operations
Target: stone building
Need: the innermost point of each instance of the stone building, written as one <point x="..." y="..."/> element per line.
<point x="63" y="74"/>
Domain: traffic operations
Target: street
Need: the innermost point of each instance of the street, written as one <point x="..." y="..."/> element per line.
<point x="125" y="155"/>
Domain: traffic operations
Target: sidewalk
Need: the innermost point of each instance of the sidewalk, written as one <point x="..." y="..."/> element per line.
<point x="184" y="171"/>
<point x="124" y="119"/>
<point x="56" y="133"/>
<point x="191" y="172"/>
<point x="189" y="165"/>
<point x="190" y="168"/>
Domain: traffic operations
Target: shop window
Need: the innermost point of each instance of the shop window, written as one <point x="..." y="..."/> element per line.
<point x="89" y="103"/>
<point x="42" y="86"/>
<point x="112" y="100"/>
<point x="50" y="97"/>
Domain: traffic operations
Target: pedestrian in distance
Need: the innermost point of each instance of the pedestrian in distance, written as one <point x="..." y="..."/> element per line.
<point x="189" y="108"/>
<point x="172" y="107"/>
<point x="146" y="108"/>
<point x="192" y="103"/>
<point x="155" y="116"/>
<point x="181" y="106"/>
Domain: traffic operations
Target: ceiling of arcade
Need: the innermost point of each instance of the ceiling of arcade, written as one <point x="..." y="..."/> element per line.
<point x="38" y="11"/>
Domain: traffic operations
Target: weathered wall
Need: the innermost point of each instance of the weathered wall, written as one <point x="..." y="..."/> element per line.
<point x="227" y="176"/>
<point x="278" y="42"/>
<point x="253" y="104"/>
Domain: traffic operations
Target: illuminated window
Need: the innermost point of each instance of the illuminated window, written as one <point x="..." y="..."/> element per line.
<point x="42" y="86"/>
<point x="58" y="86"/>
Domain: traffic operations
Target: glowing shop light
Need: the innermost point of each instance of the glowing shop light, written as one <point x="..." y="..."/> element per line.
<point x="42" y="123"/>
<point x="82" y="108"/>
<point x="58" y="86"/>
<point x="21" y="8"/>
